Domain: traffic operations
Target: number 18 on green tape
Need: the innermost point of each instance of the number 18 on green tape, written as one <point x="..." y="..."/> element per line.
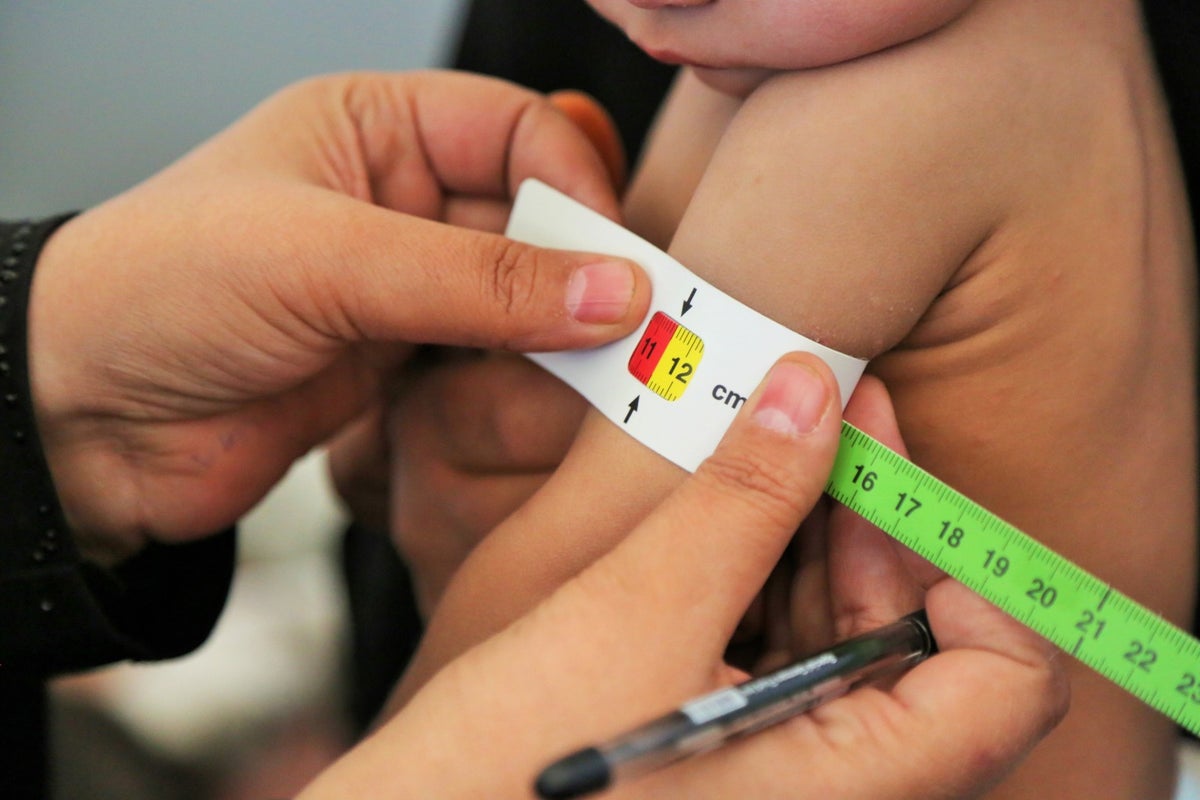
<point x="1114" y="635"/>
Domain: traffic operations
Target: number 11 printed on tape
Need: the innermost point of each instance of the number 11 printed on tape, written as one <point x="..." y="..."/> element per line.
<point x="666" y="357"/>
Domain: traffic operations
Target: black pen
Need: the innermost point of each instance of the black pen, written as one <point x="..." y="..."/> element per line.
<point x="712" y="720"/>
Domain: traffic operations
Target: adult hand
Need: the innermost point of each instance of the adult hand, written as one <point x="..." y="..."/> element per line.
<point x="644" y="629"/>
<point x="190" y="338"/>
<point x="467" y="435"/>
<point x="467" y="438"/>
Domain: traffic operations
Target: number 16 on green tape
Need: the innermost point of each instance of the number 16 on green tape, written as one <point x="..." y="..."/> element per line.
<point x="1114" y="635"/>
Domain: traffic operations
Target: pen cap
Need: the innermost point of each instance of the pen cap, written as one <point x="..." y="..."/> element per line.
<point x="921" y="620"/>
<point x="577" y="774"/>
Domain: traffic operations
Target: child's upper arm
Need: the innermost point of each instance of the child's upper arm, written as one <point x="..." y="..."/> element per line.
<point x="837" y="204"/>
<point x="797" y="216"/>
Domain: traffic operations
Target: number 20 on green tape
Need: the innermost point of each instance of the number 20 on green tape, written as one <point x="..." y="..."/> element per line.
<point x="1114" y="635"/>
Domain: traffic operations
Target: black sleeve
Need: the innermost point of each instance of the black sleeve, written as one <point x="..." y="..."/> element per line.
<point x="1174" y="29"/>
<point x="59" y="612"/>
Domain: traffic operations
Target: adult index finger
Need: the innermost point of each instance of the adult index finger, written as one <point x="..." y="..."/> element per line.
<point x="359" y="273"/>
<point x="486" y="136"/>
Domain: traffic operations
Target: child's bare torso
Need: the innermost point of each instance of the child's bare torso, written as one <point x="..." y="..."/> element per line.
<point x="995" y="215"/>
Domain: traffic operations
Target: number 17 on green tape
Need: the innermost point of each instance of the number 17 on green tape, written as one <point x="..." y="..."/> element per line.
<point x="1122" y="640"/>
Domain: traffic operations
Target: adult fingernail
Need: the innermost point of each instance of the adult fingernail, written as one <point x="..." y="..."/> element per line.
<point x="793" y="400"/>
<point x="602" y="292"/>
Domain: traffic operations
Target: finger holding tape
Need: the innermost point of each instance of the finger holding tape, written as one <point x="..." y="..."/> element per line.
<point x="751" y="494"/>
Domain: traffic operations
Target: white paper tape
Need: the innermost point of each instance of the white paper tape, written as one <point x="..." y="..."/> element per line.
<point x="675" y="383"/>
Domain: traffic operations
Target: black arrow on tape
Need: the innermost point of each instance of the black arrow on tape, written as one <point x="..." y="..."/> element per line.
<point x="633" y="406"/>
<point x="687" y="304"/>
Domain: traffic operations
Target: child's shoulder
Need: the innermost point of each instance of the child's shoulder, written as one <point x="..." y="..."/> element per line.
<point x="1004" y="71"/>
<point x="891" y="170"/>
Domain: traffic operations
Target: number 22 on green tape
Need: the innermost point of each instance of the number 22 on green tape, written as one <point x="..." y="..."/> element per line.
<point x="1114" y="635"/>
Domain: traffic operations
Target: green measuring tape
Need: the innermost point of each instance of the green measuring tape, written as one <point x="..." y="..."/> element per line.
<point x="1122" y="640"/>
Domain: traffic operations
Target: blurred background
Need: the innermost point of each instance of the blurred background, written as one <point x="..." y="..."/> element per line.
<point x="94" y="97"/>
<point x="98" y="94"/>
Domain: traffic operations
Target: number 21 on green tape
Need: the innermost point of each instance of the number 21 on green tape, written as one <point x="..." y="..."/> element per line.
<point x="1114" y="635"/>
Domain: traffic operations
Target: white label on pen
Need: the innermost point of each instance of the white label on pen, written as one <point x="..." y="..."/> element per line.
<point x="676" y="382"/>
<point x="714" y="705"/>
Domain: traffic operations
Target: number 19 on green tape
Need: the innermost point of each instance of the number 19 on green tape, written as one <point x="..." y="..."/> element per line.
<point x="1114" y="635"/>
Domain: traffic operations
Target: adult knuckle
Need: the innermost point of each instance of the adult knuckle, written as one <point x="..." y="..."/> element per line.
<point x="1053" y="687"/>
<point x="512" y="429"/>
<point x="510" y="279"/>
<point x="766" y="488"/>
<point x="477" y="416"/>
<point x="535" y="424"/>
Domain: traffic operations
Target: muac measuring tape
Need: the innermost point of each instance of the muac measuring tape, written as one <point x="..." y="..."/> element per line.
<point x="676" y="383"/>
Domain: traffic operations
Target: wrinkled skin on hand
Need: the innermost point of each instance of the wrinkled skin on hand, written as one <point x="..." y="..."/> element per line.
<point x="192" y="337"/>
<point x="644" y="628"/>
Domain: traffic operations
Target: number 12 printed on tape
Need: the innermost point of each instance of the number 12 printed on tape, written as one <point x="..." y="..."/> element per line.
<point x="666" y="357"/>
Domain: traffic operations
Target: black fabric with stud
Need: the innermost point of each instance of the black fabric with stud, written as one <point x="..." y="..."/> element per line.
<point x="58" y="612"/>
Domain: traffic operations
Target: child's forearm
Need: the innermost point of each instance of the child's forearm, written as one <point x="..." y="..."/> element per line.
<point x="607" y="483"/>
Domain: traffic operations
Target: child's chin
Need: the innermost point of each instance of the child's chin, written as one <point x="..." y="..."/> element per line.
<point x="738" y="82"/>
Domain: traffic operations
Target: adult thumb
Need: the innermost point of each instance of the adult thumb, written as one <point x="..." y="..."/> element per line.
<point x="708" y="549"/>
<point x="380" y="276"/>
